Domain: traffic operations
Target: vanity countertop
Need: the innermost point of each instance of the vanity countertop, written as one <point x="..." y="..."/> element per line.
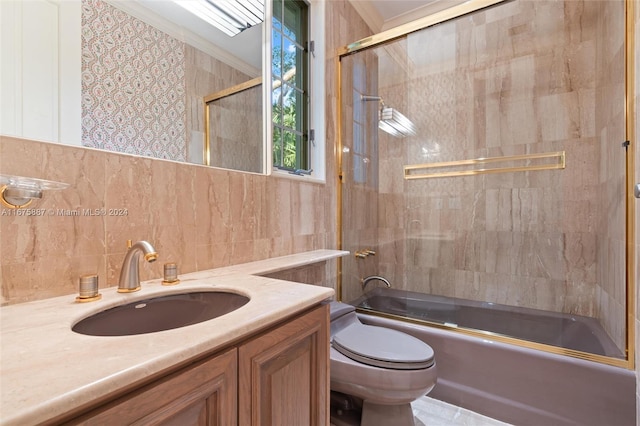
<point x="47" y="370"/>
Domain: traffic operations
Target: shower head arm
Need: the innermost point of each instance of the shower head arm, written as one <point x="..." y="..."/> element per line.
<point x="366" y="98"/>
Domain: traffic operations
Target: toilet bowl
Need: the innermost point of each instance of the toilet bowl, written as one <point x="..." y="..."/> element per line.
<point x="384" y="368"/>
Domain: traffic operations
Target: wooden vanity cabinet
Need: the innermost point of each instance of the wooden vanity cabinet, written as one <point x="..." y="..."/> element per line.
<point x="204" y="393"/>
<point x="284" y="374"/>
<point x="279" y="377"/>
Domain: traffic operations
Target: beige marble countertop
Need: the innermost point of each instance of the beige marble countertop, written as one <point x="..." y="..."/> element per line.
<point x="47" y="370"/>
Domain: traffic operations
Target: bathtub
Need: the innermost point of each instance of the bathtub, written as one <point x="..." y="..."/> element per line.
<point x="575" y="332"/>
<point x="511" y="383"/>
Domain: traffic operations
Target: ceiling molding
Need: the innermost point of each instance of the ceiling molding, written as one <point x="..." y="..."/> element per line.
<point x="428" y="9"/>
<point x="372" y="14"/>
<point x="369" y="14"/>
<point x="181" y="33"/>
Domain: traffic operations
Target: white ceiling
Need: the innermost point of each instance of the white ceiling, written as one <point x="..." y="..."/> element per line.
<point x="382" y="15"/>
<point x="243" y="51"/>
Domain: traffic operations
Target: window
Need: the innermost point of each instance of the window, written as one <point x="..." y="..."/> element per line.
<point x="290" y="86"/>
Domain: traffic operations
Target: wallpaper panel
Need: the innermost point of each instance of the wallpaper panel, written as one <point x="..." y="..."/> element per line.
<point x="133" y="85"/>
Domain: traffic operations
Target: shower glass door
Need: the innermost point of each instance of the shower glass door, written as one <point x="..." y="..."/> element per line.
<point x="505" y="212"/>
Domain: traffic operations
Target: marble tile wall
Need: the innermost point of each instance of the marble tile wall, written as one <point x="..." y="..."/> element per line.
<point x="523" y="77"/>
<point x="204" y="75"/>
<point x="196" y="216"/>
<point x="498" y="84"/>
<point x="361" y="164"/>
<point x="236" y="131"/>
<point x="610" y="131"/>
<point x="315" y="274"/>
<point x="359" y="218"/>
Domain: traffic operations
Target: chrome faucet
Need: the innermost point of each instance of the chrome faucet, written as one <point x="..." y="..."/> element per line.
<point x="366" y="281"/>
<point x="130" y="274"/>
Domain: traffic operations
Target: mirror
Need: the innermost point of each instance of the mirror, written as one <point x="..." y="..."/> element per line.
<point x="128" y="76"/>
<point x="232" y="138"/>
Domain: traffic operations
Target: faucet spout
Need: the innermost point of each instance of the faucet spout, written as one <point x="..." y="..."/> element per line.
<point x="130" y="273"/>
<point x="367" y="280"/>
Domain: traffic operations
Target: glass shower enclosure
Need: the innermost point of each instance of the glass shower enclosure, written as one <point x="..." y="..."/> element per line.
<point x="498" y="206"/>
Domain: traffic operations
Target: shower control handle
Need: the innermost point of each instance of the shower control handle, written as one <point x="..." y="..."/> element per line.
<point x="636" y="190"/>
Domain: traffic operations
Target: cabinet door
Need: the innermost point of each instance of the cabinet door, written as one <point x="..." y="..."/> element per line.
<point x="283" y="377"/>
<point x="201" y="394"/>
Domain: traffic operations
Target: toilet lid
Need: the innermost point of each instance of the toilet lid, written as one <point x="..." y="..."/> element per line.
<point x="383" y="347"/>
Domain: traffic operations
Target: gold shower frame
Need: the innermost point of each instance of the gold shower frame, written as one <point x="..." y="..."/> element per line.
<point x="464" y="9"/>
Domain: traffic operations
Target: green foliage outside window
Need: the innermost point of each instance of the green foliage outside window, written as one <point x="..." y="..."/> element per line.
<point x="289" y="84"/>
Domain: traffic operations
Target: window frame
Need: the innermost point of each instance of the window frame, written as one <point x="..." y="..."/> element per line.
<point x="313" y="146"/>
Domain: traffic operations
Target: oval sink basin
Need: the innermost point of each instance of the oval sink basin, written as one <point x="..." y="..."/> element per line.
<point x="160" y="313"/>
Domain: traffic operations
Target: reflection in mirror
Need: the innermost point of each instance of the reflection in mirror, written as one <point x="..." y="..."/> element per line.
<point x="40" y="69"/>
<point x="233" y="122"/>
<point x="146" y="67"/>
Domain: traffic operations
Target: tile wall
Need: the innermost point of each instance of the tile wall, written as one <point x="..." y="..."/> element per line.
<point x="610" y="131"/>
<point x="196" y="216"/>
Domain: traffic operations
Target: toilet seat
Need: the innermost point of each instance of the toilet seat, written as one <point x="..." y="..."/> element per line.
<point x="383" y="347"/>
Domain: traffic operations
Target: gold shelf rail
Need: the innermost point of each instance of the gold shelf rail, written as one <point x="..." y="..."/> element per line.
<point x="413" y="171"/>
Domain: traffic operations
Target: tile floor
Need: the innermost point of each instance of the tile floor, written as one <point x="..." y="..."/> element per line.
<point x="432" y="412"/>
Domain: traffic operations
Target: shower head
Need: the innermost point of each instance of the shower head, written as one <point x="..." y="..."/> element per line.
<point x="392" y="121"/>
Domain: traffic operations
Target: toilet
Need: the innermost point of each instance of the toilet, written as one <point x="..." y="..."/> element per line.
<point x="385" y="370"/>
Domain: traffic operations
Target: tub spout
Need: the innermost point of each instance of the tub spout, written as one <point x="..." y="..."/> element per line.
<point x="130" y="274"/>
<point x="367" y="280"/>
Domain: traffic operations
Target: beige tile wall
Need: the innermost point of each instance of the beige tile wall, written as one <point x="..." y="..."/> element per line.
<point x="496" y="84"/>
<point x="236" y="136"/>
<point x="199" y="217"/>
<point x="236" y="121"/>
<point x="610" y="131"/>
<point x="344" y="26"/>
<point x="361" y="164"/>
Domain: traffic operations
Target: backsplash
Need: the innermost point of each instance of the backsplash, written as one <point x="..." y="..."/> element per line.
<point x="197" y="216"/>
